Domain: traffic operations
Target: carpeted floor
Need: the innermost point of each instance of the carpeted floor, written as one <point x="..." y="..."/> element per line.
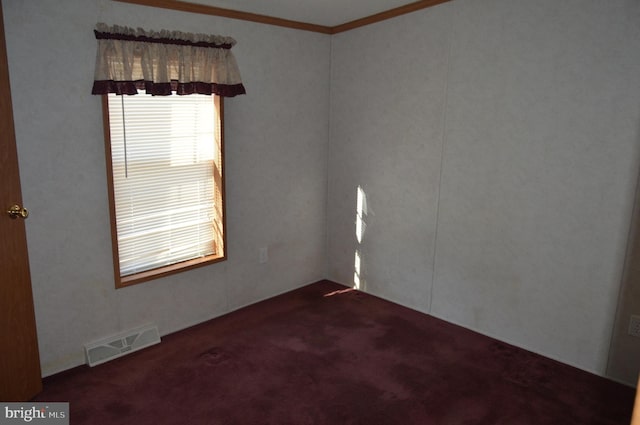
<point x="328" y="355"/>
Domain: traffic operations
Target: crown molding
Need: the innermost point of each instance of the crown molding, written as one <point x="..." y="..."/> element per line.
<point x="184" y="6"/>
<point x="229" y="13"/>
<point x="382" y="16"/>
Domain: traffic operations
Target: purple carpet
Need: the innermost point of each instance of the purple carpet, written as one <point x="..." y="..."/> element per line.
<point x="327" y="355"/>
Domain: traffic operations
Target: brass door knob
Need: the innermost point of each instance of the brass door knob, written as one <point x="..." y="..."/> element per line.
<point x="16" y="211"/>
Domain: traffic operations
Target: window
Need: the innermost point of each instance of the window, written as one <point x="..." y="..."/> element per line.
<point x="166" y="186"/>
<point x="165" y="153"/>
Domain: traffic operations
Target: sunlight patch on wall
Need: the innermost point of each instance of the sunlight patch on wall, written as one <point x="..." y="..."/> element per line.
<point x="361" y="225"/>
<point x="357" y="270"/>
<point x="361" y="212"/>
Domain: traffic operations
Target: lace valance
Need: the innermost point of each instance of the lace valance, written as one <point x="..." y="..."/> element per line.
<point x="164" y="62"/>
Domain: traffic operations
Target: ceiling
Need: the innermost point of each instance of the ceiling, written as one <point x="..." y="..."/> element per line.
<point x="328" y="13"/>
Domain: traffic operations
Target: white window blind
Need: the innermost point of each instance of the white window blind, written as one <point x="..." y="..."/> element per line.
<point x="164" y="160"/>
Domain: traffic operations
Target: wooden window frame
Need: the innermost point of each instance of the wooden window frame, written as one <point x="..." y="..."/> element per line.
<point x="124" y="281"/>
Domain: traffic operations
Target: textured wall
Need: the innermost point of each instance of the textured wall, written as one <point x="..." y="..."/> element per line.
<point x="497" y="142"/>
<point x="387" y="99"/>
<point x="276" y="140"/>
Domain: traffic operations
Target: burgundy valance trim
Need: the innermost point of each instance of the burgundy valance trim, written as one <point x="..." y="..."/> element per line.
<point x="166" y="89"/>
<point x="160" y="40"/>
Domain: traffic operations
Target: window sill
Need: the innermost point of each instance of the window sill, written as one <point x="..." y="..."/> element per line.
<point x="146" y="276"/>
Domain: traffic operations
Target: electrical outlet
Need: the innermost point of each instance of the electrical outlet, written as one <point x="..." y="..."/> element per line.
<point x="263" y="255"/>
<point x="634" y="326"/>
